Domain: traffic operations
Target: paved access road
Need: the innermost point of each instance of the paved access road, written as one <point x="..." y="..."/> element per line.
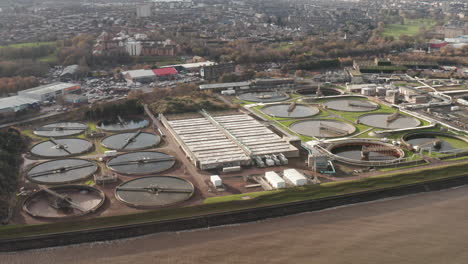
<point x="424" y="228"/>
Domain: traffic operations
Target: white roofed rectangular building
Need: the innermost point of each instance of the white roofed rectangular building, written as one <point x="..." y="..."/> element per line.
<point x="49" y="91"/>
<point x="225" y="141"/>
<point x="142" y="76"/>
<point x="275" y="180"/>
<point x="295" y="177"/>
<point x="15" y="103"/>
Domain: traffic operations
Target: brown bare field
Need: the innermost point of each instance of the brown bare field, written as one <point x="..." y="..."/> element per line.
<point x="424" y="228"/>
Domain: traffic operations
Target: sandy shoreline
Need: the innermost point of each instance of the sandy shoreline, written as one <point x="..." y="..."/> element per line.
<point x="424" y="228"/>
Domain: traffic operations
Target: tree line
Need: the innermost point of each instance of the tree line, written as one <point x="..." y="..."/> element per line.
<point x="34" y="52"/>
<point x="129" y="107"/>
<point x="15" y="84"/>
<point x="11" y="146"/>
<point x="23" y="68"/>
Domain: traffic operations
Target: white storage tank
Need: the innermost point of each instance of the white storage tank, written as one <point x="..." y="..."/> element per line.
<point x="216" y="180"/>
<point x="295" y="177"/>
<point x="275" y="180"/>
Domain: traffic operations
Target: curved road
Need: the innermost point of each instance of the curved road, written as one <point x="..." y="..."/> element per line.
<point x="424" y="228"/>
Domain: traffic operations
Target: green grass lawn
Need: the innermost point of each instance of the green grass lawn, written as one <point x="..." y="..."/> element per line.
<point x="411" y="27"/>
<point x="238" y="197"/>
<point x="458" y="158"/>
<point x="51" y="58"/>
<point x="402" y="167"/>
<point x="348" y="117"/>
<point x="454" y="142"/>
<point x="29" y="133"/>
<point x="92" y="126"/>
<point x="30" y="44"/>
<point x="235" y="202"/>
<point x="242" y="102"/>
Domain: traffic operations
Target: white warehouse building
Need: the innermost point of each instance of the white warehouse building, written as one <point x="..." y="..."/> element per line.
<point x="15" y="104"/>
<point x="295" y="177"/>
<point x="212" y="142"/>
<point x="275" y="180"/>
<point x="50" y="91"/>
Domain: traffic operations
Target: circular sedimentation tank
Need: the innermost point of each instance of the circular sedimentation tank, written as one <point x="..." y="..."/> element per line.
<point x="290" y="110"/>
<point x="141" y="163"/>
<point x="122" y="124"/>
<point x="61" y="129"/>
<point x="131" y="141"/>
<point x="65" y="201"/>
<point x="264" y="97"/>
<point x="62" y="171"/>
<point x="323" y="91"/>
<point x="59" y="148"/>
<point x="322" y="128"/>
<point x="154" y="191"/>
<point x="366" y="151"/>
<point x="389" y="121"/>
<point x="434" y="141"/>
<point x="351" y="105"/>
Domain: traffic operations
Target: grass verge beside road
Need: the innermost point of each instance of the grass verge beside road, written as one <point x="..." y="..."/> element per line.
<point x="236" y="202"/>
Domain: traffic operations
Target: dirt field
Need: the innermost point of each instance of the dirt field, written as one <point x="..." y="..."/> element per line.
<point x="424" y="228"/>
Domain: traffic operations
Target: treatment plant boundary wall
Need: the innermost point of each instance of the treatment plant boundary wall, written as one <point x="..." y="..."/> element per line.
<point x="233" y="217"/>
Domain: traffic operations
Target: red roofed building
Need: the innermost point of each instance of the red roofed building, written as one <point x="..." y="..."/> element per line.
<point x="165" y="72"/>
<point x="437" y="44"/>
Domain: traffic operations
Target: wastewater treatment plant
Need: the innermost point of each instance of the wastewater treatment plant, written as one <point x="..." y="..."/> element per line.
<point x="276" y="141"/>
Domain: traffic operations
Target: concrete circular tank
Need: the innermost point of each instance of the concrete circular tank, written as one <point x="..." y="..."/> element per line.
<point x="264" y="97"/>
<point x="290" y="110"/>
<point x="435" y="141"/>
<point x="351" y="105"/>
<point x="122" y="124"/>
<point x="61" y="129"/>
<point x="323" y="91"/>
<point x="131" y="141"/>
<point x="60" y="148"/>
<point x="365" y="152"/>
<point x="154" y="191"/>
<point x="141" y="163"/>
<point x="62" y="171"/>
<point x="322" y="128"/>
<point x="389" y="121"/>
<point x="65" y="201"/>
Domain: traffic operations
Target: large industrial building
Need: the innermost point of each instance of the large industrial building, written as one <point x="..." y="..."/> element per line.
<point x="147" y="76"/>
<point x="30" y="97"/>
<point x="50" y="91"/>
<point x="16" y="103"/>
<point x="212" y="142"/>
